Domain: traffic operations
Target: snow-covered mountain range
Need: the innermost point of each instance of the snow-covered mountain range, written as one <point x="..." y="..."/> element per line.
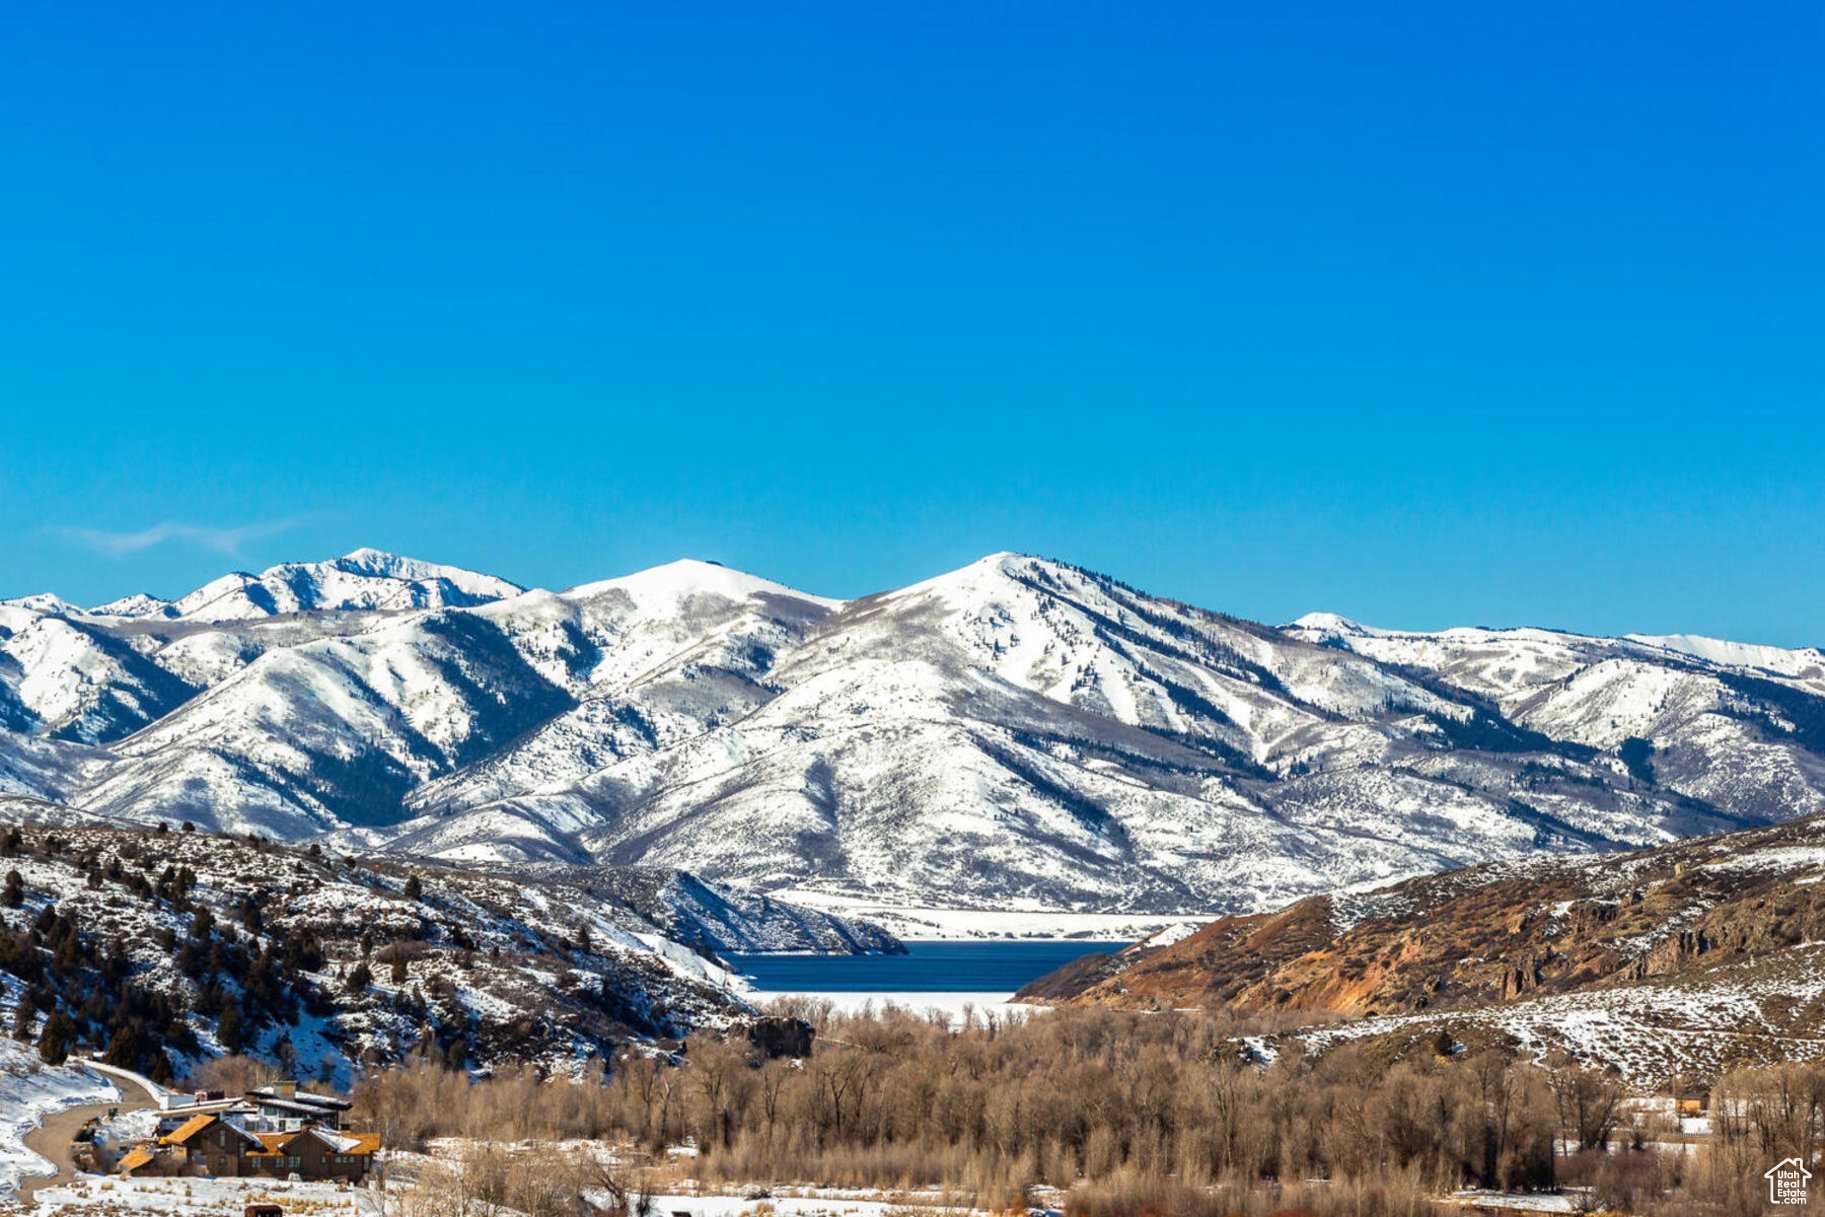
<point x="1019" y="733"/>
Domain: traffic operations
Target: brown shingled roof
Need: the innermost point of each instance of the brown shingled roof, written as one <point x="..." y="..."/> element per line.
<point x="136" y="1159"/>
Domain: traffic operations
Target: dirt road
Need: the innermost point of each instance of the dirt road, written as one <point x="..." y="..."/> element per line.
<point x="54" y="1138"/>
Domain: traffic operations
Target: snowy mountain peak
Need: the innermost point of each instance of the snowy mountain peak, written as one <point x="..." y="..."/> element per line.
<point x="383" y="565"/>
<point x="370" y="561"/>
<point x="365" y="579"/>
<point x="1331" y="623"/>
<point x="669" y="584"/>
<point x="43" y="602"/>
<point x="139" y="604"/>
<point x="989" y="575"/>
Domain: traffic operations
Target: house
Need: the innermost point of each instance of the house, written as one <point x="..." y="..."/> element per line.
<point x="209" y="1144"/>
<point x="278" y="1107"/>
<point x="1787" y="1181"/>
<point x="322" y="1153"/>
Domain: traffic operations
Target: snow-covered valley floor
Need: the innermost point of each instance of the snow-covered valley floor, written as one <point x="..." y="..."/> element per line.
<point x="951" y="924"/>
<point x="957" y="1005"/>
<point x="186" y="1197"/>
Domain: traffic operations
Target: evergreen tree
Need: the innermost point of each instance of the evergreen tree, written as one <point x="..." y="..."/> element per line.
<point x="414" y="889"/>
<point x="231" y="1028"/>
<point x="125" y="1048"/>
<point x="361" y="977"/>
<point x="14" y="896"/>
<point x="59" y="1033"/>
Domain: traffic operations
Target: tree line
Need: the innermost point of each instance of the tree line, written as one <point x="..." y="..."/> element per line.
<point x="1164" y="1113"/>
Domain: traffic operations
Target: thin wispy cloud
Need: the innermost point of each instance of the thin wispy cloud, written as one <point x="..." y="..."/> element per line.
<point x="222" y="540"/>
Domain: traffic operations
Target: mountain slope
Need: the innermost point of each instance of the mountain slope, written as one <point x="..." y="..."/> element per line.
<point x="1735" y="726"/>
<point x="71" y="680"/>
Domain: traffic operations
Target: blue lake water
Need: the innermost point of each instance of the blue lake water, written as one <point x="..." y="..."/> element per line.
<point x="929" y="967"/>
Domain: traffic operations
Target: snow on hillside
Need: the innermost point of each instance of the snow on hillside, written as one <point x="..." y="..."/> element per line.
<point x="1072" y="744"/>
<point x="1808" y="662"/>
<point x="1648" y="1033"/>
<point x="29" y="1091"/>
<point x="41" y="602"/>
<point x="1736" y="727"/>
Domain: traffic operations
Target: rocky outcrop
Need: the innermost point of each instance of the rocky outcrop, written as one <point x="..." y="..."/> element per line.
<point x="1491" y="934"/>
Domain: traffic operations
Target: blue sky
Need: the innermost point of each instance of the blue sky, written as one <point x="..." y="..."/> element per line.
<point x="1426" y="314"/>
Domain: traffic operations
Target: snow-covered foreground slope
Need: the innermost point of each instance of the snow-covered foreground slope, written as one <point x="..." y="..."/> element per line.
<point x="326" y="961"/>
<point x="30" y="1091"/>
<point x="1018" y="734"/>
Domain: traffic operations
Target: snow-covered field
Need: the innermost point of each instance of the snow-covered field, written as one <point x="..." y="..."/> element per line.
<point x="197" y="1196"/>
<point x="822" y="1203"/>
<point x="1518" y="1202"/>
<point x="950" y="924"/>
<point x="957" y="1005"/>
<point x="29" y="1091"/>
